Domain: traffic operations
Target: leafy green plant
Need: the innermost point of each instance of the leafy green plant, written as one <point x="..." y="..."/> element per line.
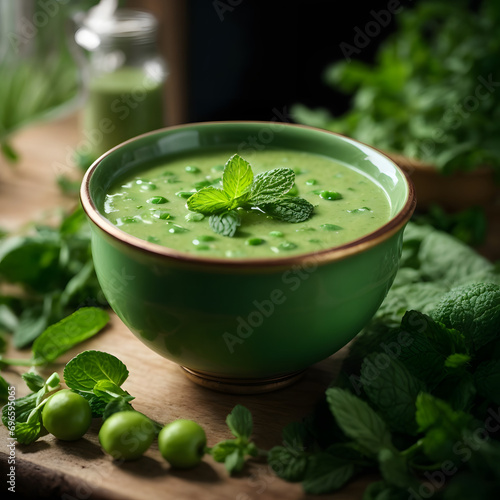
<point x="267" y="192"/>
<point x="431" y="93"/>
<point x="50" y="273"/>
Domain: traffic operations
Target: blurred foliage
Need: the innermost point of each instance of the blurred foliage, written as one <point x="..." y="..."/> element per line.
<point x="432" y="92"/>
<point x="39" y="76"/>
<point x="469" y="226"/>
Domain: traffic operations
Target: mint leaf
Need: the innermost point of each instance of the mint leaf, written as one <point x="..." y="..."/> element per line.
<point x="326" y="474"/>
<point x="115" y="405"/>
<point x="209" y="200"/>
<point x="287" y="463"/>
<point x="28" y="432"/>
<point x="240" y="422"/>
<point x="235" y="461"/>
<point x="107" y="391"/>
<point x="395" y="470"/>
<point x="359" y="421"/>
<point x="225" y="224"/>
<point x="442" y="426"/>
<point x="86" y="369"/>
<point x="33" y="381"/>
<point x="22" y="408"/>
<point x="62" y="336"/>
<point x="236" y="179"/>
<point x="4" y="390"/>
<point x="487" y="378"/>
<point x="474" y="310"/>
<point x="457" y="361"/>
<point x="289" y="209"/>
<point x="392" y="389"/>
<point x="269" y="186"/>
<point x="223" y="449"/>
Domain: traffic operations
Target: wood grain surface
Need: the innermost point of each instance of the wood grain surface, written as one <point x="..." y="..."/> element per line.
<point x="80" y="470"/>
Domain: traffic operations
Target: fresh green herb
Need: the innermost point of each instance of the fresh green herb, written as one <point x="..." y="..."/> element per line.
<point x="233" y="451"/>
<point x="269" y="192"/>
<point x="469" y="225"/>
<point x="28" y="412"/>
<point x="60" y="337"/>
<point x="53" y="269"/>
<point x="428" y="95"/>
<point x="68" y="186"/>
<point x="415" y="386"/>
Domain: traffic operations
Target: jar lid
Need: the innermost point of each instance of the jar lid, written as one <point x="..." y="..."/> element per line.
<point x="120" y="24"/>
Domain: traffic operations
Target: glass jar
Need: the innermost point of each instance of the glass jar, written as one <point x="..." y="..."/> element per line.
<point x="124" y="79"/>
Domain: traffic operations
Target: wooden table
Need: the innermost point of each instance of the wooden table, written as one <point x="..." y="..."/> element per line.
<point x="80" y="470"/>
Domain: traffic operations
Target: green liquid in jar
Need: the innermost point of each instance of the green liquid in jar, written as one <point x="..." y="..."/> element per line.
<point x="121" y="105"/>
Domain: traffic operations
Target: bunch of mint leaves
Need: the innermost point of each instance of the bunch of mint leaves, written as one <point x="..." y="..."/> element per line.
<point x="95" y="375"/>
<point x="56" y="340"/>
<point x="267" y="192"/>
<point x="414" y="98"/>
<point x="418" y="389"/>
<point x="45" y="275"/>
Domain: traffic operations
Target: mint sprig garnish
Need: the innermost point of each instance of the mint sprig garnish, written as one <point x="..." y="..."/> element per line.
<point x="268" y="192"/>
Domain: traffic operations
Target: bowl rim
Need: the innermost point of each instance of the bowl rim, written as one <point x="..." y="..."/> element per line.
<point x="322" y="256"/>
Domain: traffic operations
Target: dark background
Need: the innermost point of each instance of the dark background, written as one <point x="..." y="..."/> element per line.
<point x="267" y="54"/>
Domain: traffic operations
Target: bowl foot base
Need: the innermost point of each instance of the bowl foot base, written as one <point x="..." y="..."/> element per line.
<point x="242" y="385"/>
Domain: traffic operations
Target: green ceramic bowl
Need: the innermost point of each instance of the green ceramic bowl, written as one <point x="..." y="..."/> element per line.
<point x="244" y="324"/>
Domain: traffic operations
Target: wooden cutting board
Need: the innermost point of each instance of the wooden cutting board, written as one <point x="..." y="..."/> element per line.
<point x="80" y="470"/>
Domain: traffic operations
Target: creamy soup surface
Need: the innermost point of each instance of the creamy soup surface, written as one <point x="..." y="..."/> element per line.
<point x="151" y="204"/>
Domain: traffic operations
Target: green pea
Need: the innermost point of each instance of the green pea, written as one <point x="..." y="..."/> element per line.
<point x="299" y="171"/>
<point x="184" y="194"/>
<point x="311" y="182"/>
<point x="359" y="210"/>
<point x="314" y="240"/>
<point x="217" y="168"/>
<point x="287" y="245"/>
<point x="192" y="170"/>
<point x="294" y="191"/>
<point x="276" y="234"/>
<point x="254" y="241"/>
<point x="148" y="187"/>
<point x="157" y="200"/>
<point x="206" y="238"/>
<point x="128" y="219"/>
<point x="330" y="195"/>
<point x="153" y="239"/>
<point x="194" y="217"/>
<point x="162" y="214"/>
<point x="175" y="229"/>
<point x="202" y="247"/>
<point x="330" y="227"/>
<point x="201" y="184"/>
<point x="305" y="229"/>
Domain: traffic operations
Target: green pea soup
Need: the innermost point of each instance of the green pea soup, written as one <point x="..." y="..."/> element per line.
<point x="151" y="204"/>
